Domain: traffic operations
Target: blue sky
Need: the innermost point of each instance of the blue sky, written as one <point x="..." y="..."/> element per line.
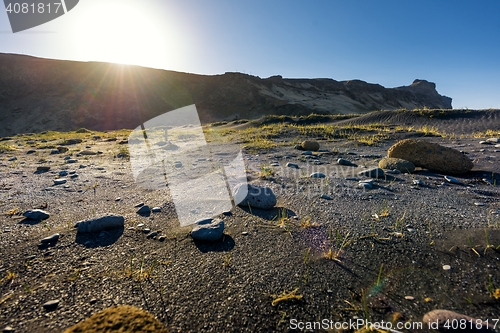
<point x="455" y="44"/>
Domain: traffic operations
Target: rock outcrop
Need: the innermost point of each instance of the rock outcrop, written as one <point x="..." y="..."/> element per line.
<point x="43" y="94"/>
<point x="431" y="156"/>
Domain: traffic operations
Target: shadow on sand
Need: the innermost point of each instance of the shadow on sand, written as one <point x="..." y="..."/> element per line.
<point x="270" y="214"/>
<point x="225" y="244"/>
<point x="98" y="239"/>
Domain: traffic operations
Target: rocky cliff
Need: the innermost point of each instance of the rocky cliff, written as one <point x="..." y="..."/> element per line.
<point x="43" y="94"/>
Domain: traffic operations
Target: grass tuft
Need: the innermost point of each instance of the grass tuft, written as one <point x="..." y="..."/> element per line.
<point x="286" y="296"/>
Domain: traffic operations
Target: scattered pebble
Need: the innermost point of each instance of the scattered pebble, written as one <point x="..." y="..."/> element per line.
<point x="479" y="203"/>
<point x="409" y="298"/>
<point x="317" y="175"/>
<point x="144" y="210"/>
<point x="161" y="238"/>
<point x="88" y="152"/>
<point x="50" y="239"/>
<point x="140" y="204"/>
<point x="99" y="224"/>
<point x="292" y="165"/>
<point x="368" y="186"/>
<point x="63" y="173"/>
<point x="275" y="164"/>
<point x="326" y="197"/>
<point x="418" y="182"/>
<point x="446" y="267"/>
<point x="51" y="305"/>
<point x="60" y="181"/>
<point x="43" y="168"/>
<point x="156" y="209"/>
<point x="36" y="214"/>
<point x="452" y="180"/>
<point x="343" y="161"/>
<point x="152" y="235"/>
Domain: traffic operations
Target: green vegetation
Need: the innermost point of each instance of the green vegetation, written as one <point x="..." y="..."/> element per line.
<point x="266" y="172"/>
<point x="337" y="244"/>
<point x="4" y="148"/>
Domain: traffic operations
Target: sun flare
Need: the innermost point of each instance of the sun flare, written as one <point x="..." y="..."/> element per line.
<point x="119" y="33"/>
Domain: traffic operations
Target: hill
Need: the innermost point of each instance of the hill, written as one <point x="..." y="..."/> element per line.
<point x="44" y="94"/>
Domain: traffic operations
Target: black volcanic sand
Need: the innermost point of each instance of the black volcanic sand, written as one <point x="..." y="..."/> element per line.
<point x="391" y="267"/>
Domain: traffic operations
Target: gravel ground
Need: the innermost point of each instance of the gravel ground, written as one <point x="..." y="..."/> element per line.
<point x="388" y="245"/>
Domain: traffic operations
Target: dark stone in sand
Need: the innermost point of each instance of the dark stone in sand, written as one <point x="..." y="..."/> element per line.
<point x="431" y="156"/>
<point x="98" y="224"/>
<point x="208" y="230"/>
<point x="317" y="175"/>
<point x="50" y="239"/>
<point x="51" y="305"/>
<point x="36" y="214"/>
<point x="71" y="142"/>
<point x="343" y="161"/>
<point x="144" y="210"/>
<point x="43" y="168"/>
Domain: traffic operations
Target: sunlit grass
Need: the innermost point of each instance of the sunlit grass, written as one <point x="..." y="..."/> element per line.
<point x="4" y="148"/>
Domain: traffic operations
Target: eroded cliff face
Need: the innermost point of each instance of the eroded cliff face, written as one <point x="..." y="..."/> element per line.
<point x="43" y="94"/>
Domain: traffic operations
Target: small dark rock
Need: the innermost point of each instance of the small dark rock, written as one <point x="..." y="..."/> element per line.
<point x="51" y="305"/>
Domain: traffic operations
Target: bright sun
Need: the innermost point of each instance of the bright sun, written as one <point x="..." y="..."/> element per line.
<point x="121" y="34"/>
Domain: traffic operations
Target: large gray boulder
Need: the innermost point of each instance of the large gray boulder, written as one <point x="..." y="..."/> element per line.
<point x="431" y="156"/>
<point x="254" y="195"/>
<point x="98" y="224"/>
